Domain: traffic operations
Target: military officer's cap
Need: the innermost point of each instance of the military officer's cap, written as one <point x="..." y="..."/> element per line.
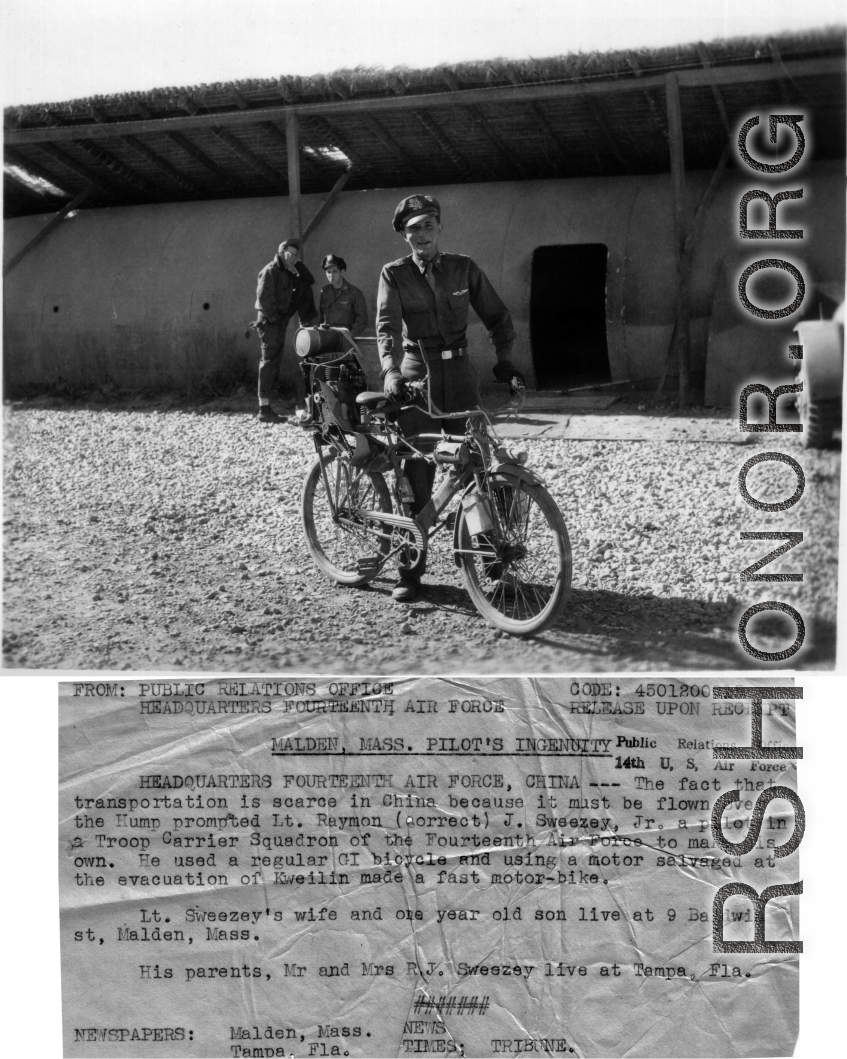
<point x="289" y="242"/>
<point x="412" y="208"/>
<point x="334" y="259"/>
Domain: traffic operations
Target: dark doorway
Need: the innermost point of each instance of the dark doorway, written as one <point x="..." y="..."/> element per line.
<point x="567" y="316"/>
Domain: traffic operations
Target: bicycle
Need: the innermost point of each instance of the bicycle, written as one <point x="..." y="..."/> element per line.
<point x="509" y="538"/>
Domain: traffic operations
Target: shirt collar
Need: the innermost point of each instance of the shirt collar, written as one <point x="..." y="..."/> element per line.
<point x="421" y="265"/>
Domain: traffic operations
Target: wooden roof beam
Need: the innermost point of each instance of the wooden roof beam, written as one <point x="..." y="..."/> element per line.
<point x="494" y="137"/>
<point x="224" y="179"/>
<point x="141" y="148"/>
<point x="88" y="175"/>
<point x="249" y="158"/>
<point x="446" y="144"/>
<point x="388" y="140"/>
<point x="116" y="166"/>
<point x="706" y="60"/>
<point x="752" y="73"/>
<point x="541" y="118"/>
<point x="182" y="181"/>
<point x="189" y="104"/>
<point x="486" y="127"/>
<point x="600" y="120"/>
<point x="381" y="133"/>
<point x="189" y="148"/>
<point x="273" y="132"/>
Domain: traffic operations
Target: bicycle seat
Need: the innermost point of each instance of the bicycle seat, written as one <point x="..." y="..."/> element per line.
<point x="374" y="400"/>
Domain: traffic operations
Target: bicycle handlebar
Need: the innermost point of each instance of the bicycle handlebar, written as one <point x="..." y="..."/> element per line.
<point x="421" y="387"/>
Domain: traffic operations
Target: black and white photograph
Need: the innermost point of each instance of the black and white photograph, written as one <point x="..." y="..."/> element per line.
<point x="250" y="322"/>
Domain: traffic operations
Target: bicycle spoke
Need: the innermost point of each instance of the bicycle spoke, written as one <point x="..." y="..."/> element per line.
<point x="344" y="544"/>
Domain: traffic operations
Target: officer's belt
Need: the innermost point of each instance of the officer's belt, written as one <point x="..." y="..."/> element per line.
<point x="447" y="354"/>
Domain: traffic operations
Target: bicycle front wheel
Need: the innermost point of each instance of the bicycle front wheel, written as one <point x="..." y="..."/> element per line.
<point x="346" y="545"/>
<point x="515" y="559"/>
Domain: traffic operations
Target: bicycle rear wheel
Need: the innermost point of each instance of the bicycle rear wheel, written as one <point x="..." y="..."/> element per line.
<point x="345" y="545"/>
<point x="519" y="572"/>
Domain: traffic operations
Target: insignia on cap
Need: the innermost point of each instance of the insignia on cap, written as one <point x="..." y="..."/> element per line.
<point x="415" y="204"/>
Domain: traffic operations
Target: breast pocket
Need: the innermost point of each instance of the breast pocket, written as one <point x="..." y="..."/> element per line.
<point x="458" y="304"/>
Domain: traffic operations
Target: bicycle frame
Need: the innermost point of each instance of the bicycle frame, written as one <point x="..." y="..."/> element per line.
<point x="488" y="456"/>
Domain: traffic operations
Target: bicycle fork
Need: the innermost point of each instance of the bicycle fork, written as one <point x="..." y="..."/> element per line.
<point x="488" y="521"/>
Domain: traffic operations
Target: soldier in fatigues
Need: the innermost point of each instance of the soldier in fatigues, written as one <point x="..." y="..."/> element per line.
<point x="342" y="304"/>
<point x="425" y="298"/>
<point x="285" y="288"/>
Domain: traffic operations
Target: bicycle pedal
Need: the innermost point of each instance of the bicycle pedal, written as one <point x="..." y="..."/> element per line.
<point x="368" y="564"/>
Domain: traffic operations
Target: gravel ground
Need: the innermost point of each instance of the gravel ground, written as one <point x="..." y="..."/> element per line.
<point x="160" y="539"/>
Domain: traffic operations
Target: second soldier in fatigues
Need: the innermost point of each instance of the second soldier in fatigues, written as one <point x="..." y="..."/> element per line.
<point x="425" y="298"/>
<point x="342" y="304"/>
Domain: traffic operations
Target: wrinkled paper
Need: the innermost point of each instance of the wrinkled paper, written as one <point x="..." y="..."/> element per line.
<point x="417" y="867"/>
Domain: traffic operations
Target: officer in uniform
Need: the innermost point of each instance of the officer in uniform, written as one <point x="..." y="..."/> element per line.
<point x="425" y="298"/>
<point x="285" y="288"/>
<point x="342" y="304"/>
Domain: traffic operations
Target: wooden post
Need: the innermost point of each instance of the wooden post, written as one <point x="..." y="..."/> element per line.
<point x="292" y="140"/>
<point x="688" y="248"/>
<point x="680" y="230"/>
<point x="41" y="235"/>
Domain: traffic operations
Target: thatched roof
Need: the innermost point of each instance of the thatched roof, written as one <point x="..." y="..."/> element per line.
<point x="573" y="115"/>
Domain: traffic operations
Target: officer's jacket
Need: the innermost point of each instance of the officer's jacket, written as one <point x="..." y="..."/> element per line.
<point x="344" y="307"/>
<point x="281" y="294"/>
<point x="408" y="310"/>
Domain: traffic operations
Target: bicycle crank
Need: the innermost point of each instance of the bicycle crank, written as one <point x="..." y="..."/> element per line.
<point x="410" y="525"/>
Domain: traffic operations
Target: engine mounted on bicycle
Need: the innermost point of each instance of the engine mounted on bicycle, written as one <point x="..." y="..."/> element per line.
<point x="334" y="378"/>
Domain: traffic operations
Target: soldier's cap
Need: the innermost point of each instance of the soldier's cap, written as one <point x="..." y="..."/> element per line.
<point x="289" y="242"/>
<point x="334" y="259"/>
<point x="412" y="208"/>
